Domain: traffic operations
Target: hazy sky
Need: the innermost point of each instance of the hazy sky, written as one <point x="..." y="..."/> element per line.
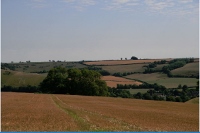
<point x="74" y="30"/>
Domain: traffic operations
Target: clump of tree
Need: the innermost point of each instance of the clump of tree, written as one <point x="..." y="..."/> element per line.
<point x="134" y="58"/>
<point x="119" y="93"/>
<point x="121" y="74"/>
<point x="8" y="66"/>
<point x="179" y="94"/>
<point x="150" y="68"/>
<point x="74" y="81"/>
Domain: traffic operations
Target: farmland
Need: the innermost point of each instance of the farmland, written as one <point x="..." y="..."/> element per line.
<point x="162" y="79"/>
<point x="39" y="112"/>
<point x="124" y="68"/>
<point x="17" y="78"/>
<point x="123" y="62"/>
<point x="112" y="81"/>
<point x="188" y="69"/>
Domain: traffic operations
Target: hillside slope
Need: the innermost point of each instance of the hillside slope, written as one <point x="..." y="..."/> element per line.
<point x="45" y="112"/>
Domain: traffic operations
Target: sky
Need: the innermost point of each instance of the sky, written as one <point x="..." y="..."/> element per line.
<point x="75" y="30"/>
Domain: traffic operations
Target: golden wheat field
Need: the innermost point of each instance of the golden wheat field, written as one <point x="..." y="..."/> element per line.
<point x="112" y="81"/>
<point x="50" y="112"/>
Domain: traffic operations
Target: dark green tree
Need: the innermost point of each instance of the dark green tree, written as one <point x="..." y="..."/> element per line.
<point x="74" y="81"/>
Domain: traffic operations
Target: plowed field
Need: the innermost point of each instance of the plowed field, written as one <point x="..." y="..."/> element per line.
<point x="46" y="112"/>
<point x="112" y="81"/>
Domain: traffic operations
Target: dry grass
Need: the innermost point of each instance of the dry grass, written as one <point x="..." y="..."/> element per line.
<point x="112" y="81"/>
<point x="40" y="112"/>
<point x="118" y="62"/>
<point x="194" y="100"/>
<point x="119" y="114"/>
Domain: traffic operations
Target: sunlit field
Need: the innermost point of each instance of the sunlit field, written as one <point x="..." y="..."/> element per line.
<point x="49" y="112"/>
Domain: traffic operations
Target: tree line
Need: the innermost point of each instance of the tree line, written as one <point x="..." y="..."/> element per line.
<point x="157" y="92"/>
<point x="173" y="64"/>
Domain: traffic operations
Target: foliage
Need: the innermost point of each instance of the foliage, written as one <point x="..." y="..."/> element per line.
<point x="74" y="81"/>
<point x="8" y="66"/>
<point x="174" y="64"/>
<point x="28" y="88"/>
<point x="119" y="93"/>
<point x="134" y="58"/>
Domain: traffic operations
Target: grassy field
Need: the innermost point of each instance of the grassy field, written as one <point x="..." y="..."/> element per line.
<point x="124" y="68"/>
<point x="112" y="81"/>
<point x="46" y="112"/>
<point x="120" y="62"/>
<point x="162" y="79"/>
<point x="194" y="100"/>
<point x="187" y="70"/>
<point x="16" y="79"/>
<point x="40" y="66"/>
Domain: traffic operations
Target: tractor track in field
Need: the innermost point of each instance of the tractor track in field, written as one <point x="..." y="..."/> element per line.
<point x="83" y="118"/>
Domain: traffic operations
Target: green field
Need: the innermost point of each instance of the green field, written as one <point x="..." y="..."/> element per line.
<point x="124" y="68"/>
<point x="187" y="70"/>
<point x="162" y="79"/>
<point x="16" y="79"/>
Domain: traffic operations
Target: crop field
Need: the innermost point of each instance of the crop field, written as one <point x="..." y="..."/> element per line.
<point x="47" y="112"/>
<point x="174" y="82"/>
<point x="16" y="79"/>
<point x="124" y="68"/>
<point x="112" y="81"/>
<point x="120" y="62"/>
<point x="187" y="70"/>
<point x="148" y="77"/>
<point x="162" y="79"/>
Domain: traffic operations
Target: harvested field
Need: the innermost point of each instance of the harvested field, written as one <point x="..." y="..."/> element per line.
<point x="46" y="112"/>
<point x="112" y="81"/>
<point x="119" y="62"/>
